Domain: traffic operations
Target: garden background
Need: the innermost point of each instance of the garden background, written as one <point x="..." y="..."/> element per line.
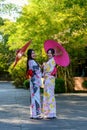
<point x="64" y="21"/>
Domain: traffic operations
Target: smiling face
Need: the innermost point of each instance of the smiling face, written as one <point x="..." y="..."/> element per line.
<point x="50" y="53"/>
<point x="33" y="55"/>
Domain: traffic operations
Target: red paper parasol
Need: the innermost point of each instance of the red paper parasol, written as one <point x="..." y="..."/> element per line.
<point x="20" y="52"/>
<point x="61" y="56"/>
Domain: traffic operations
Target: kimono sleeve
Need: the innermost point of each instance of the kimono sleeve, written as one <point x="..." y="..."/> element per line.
<point x="52" y="65"/>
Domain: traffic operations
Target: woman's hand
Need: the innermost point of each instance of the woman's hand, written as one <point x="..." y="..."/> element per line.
<point x="42" y="66"/>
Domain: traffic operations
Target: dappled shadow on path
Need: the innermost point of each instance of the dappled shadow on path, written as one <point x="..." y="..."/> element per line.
<point x="14" y="111"/>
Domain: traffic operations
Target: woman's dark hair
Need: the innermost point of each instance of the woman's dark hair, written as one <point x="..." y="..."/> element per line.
<point x="52" y="51"/>
<point x="29" y="52"/>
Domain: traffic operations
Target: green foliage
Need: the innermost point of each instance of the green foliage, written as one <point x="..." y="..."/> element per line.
<point x="63" y="21"/>
<point x="84" y="84"/>
<point x="26" y="84"/>
<point x="18" y="73"/>
<point x="1" y="21"/>
<point x="6" y="55"/>
<point x="59" y="85"/>
<point x="41" y="90"/>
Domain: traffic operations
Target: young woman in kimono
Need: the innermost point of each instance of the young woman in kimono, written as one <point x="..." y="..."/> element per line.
<point x="34" y="72"/>
<point x="49" y="103"/>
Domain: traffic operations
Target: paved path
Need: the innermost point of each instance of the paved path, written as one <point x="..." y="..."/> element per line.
<point x="14" y="111"/>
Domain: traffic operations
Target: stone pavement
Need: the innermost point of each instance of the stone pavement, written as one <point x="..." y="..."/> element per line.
<point x="14" y="111"/>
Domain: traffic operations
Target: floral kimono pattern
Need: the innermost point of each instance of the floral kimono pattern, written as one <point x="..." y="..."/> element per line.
<point x="49" y="104"/>
<point x="35" y="83"/>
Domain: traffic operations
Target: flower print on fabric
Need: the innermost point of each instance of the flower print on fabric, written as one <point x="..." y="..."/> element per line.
<point x="49" y="104"/>
<point x="35" y="83"/>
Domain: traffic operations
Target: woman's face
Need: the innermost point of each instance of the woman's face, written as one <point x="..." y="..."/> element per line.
<point x="33" y="54"/>
<point x="49" y="54"/>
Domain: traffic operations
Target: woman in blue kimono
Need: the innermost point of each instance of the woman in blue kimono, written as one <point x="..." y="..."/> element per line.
<point x="34" y="72"/>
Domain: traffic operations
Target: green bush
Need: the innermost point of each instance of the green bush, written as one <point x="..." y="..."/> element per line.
<point x="41" y="90"/>
<point x="18" y="83"/>
<point x="18" y="73"/>
<point x="59" y="85"/>
<point x="84" y="84"/>
<point x="26" y="84"/>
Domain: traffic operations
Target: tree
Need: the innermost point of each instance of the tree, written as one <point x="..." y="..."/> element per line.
<point x="5" y="54"/>
<point x="64" y="21"/>
<point x="9" y="10"/>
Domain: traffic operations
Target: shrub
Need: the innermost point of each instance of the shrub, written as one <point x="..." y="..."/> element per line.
<point x="26" y="84"/>
<point x="18" y="74"/>
<point x="41" y="90"/>
<point x="84" y="84"/>
<point x="59" y="85"/>
<point x="18" y="83"/>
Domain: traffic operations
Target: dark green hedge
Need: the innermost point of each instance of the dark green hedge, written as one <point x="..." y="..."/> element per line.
<point x="84" y="84"/>
<point x="59" y="85"/>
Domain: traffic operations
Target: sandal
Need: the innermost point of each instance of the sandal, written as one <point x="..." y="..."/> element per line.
<point x="50" y="118"/>
<point x="37" y="118"/>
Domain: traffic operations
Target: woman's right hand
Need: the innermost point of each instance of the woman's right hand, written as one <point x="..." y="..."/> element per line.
<point x="43" y="65"/>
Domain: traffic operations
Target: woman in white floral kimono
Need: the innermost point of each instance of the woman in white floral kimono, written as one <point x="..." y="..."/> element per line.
<point x="49" y="103"/>
<point x="34" y="72"/>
